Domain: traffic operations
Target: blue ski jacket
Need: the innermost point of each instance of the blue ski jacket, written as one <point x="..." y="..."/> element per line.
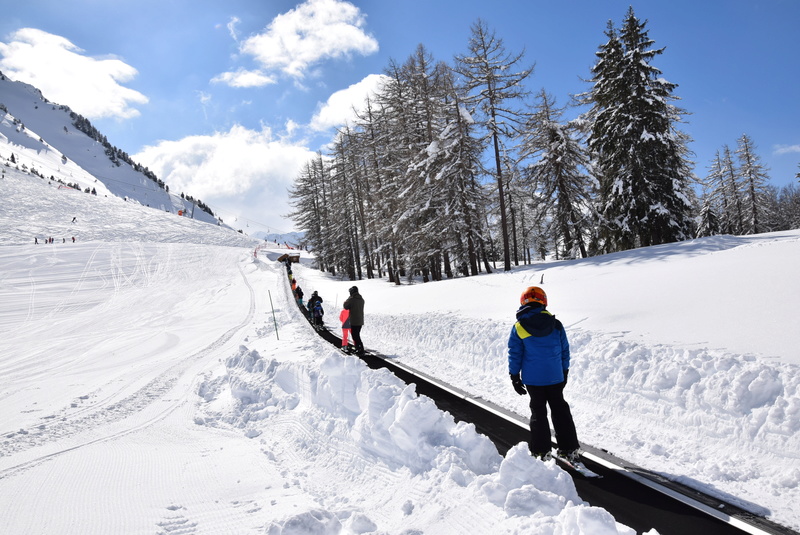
<point x="538" y="347"/>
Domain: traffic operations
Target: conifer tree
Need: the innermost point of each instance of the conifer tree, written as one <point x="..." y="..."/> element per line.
<point x="790" y="206"/>
<point x="491" y="78"/>
<point x="732" y="189"/>
<point x="639" y="154"/>
<point x="709" y="222"/>
<point x="558" y="177"/>
<point x="714" y="198"/>
<point x="753" y="177"/>
<point x="722" y="195"/>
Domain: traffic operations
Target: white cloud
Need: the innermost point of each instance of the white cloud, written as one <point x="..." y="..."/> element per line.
<point x="339" y="109"/>
<point x="240" y="171"/>
<point x="232" y="28"/>
<point x="785" y="149"/>
<point x="315" y="30"/>
<point x="244" y="78"/>
<point x="53" y="64"/>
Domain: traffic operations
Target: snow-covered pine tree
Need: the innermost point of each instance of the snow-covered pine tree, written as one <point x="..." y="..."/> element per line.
<point x="309" y="203"/>
<point x="343" y="232"/>
<point x="753" y="178"/>
<point x="640" y="155"/>
<point x="420" y="202"/>
<point x="722" y="194"/>
<point x="790" y="206"/>
<point x="495" y="86"/>
<point x="376" y="143"/>
<point x="444" y="175"/>
<point x="558" y="177"/>
<point x="708" y="224"/>
<point x="402" y="129"/>
<point x="733" y="191"/>
<point x="462" y="154"/>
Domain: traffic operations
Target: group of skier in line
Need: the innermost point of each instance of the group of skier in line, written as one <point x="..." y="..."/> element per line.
<point x="51" y="240"/>
<point x="538" y="363"/>
<point x="351" y="316"/>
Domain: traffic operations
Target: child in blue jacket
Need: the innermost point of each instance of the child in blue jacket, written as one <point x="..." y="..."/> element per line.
<point x="538" y="362"/>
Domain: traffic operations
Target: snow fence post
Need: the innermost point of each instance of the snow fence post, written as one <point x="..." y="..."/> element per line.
<point x="273" y="315"/>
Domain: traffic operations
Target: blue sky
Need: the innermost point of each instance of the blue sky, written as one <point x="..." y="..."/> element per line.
<point x="226" y="100"/>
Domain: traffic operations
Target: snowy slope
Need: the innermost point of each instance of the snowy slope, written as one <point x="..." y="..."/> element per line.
<point x="145" y="387"/>
<point x="42" y="136"/>
<point x="685" y="357"/>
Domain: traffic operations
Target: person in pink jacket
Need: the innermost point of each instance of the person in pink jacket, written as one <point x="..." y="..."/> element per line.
<point x="344" y="317"/>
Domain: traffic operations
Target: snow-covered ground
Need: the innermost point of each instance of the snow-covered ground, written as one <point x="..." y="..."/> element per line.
<point x="146" y="389"/>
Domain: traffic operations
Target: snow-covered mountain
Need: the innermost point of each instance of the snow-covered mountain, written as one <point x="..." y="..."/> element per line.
<point x="51" y="141"/>
<point x="291" y="239"/>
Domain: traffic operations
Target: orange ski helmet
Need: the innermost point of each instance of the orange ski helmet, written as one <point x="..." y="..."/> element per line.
<point x="533" y="294"/>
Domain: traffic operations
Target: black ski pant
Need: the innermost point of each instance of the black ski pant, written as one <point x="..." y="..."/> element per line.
<point x="566" y="436"/>
<point x="355" y="330"/>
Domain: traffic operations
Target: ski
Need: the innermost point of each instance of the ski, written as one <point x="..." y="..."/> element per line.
<point x="576" y="466"/>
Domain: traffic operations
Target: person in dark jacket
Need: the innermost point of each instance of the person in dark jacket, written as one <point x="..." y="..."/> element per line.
<point x="298" y="294"/>
<point x="355" y="304"/>
<point x="538" y="363"/>
<point x="313" y="301"/>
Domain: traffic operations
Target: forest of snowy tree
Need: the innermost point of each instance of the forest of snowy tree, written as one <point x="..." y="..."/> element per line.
<point x="450" y="169"/>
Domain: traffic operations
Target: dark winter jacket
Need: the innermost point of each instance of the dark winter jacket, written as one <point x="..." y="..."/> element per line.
<point x="538" y="347"/>
<point x="355" y="304"/>
<point x="314" y="299"/>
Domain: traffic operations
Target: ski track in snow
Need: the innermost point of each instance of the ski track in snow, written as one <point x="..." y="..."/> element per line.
<point x="111" y="409"/>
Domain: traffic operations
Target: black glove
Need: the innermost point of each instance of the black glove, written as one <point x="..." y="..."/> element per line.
<point x="516" y="381"/>
<point x="566" y="373"/>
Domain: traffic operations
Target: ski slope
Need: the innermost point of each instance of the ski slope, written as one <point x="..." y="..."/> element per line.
<point x="146" y="388"/>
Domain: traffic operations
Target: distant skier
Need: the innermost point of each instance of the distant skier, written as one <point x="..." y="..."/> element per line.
<point x="317" y="313"/>
<point x="315" y="310"/>
<point x="344" y="317"/>
<point x="298" y="295"/>
<point x="538" y="362"/>
<point x="74" y="219"/>
<point x="313" y="299"/>
<point x="355" y="304"/>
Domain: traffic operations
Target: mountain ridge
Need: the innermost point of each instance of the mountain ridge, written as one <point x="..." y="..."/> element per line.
<point x="55" y="143"/>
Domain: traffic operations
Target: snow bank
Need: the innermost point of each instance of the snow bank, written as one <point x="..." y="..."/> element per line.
<point x="373" y="424"/>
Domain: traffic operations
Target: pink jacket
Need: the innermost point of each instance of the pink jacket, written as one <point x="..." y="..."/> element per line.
<point x="344" y="317"/>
